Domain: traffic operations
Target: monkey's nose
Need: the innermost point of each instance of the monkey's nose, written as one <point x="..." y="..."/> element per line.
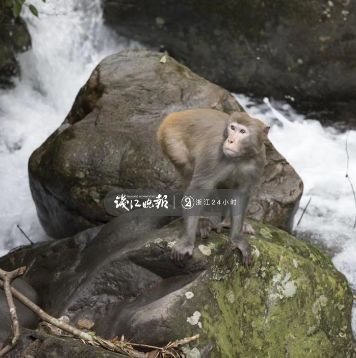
<point x="231" y="141"/>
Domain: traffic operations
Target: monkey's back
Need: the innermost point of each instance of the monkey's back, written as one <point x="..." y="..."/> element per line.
<point x="186" y="134"/>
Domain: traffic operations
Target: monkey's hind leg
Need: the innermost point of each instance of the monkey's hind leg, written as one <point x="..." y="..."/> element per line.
<point x="238" y="240"/>
<point x="206" y="224"/>
<point x="226" y="221"/>
<point x="178" y="154"/>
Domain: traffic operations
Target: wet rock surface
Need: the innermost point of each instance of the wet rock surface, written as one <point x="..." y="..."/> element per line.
<point x="108" y="142"/>
<point x="300" y="50"/>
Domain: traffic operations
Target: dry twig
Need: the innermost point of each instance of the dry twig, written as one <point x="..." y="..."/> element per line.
<point x="7" y="278"/>
<point x="24" y="234"/>
<point x="118" y="346"/>
<point x="170" y="349"/>
<point x="304" y="210"/>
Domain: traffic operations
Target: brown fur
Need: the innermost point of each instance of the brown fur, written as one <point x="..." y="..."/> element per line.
<point x="195" y="141"/>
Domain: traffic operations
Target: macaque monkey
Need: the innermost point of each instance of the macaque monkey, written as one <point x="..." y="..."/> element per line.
<point x="212" y="149"/>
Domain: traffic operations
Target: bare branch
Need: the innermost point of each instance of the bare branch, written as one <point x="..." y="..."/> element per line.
<point x="182" y="342"/>
<point x="304" y="210"/>
<point x="24" y="234"/>
<point x="7" y="277"/>
<point x="46" y="317"/>
<point x="118" y="346"/>
<point x="168" y="350"/>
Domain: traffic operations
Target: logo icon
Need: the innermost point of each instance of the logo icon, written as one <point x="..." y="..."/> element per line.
<point x="187" y="202"/>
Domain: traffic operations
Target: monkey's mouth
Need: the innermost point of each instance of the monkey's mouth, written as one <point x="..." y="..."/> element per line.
<point x="230" y="153"/>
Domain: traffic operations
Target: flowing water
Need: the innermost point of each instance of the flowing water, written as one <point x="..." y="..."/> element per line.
<point x="69" y="39"/>
<point x="322" y="157"/>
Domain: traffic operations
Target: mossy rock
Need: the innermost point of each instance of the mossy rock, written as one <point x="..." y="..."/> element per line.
<point x="291" y="302"/>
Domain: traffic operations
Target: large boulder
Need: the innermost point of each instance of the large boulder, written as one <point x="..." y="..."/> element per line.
<point x="108" y="142"/>
<point x="291" y="302"/>
<point x="300" y="49"/>
<point x="14" y="39"/>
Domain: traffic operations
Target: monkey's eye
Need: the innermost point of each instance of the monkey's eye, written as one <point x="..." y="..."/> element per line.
<point x="232" y="127"/>
<point x="242" y="131"/>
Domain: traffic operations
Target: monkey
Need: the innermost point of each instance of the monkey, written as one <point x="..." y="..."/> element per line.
<point x="212" y="149"/>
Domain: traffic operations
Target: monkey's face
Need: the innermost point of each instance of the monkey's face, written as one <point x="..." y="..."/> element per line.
<point x="244" y="136"/>
<point x="236" y="136"/>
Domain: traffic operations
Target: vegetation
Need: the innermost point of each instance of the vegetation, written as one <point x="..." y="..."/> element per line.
<point x="16" y="6"/>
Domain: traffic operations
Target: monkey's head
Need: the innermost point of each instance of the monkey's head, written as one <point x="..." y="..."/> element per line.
<point x="244" y="136"/>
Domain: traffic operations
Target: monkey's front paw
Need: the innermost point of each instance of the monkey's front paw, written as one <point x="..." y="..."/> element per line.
<point x="248" y="229"/>
<point x="180" y="250"/>
<point x="245" y="249"/>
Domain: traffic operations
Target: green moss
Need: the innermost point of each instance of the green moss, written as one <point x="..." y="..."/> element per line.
<point x="287" y="304"/>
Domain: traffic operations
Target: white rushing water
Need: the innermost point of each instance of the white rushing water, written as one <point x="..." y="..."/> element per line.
<point x="69" y="39"/>
<point x="319" y="156"/>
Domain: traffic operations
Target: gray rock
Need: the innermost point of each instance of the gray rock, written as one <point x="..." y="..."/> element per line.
<point x="291" y="300"/>
<point x="303" y="49"/>
<point x="108" y="142"/>
<point x="59" y="268"/>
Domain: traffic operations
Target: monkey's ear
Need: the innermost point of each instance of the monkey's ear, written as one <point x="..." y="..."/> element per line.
<point x="266" y="130"/>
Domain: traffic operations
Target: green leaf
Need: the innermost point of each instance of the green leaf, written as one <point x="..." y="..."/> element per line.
<point x="16" y="8"/>
<point x="33" y="10"/>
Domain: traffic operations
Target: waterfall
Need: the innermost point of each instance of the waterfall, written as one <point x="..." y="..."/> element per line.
<point x="68" y="41"/>
<point x="319" y="156"/>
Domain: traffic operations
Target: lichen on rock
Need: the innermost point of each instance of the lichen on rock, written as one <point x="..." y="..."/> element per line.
<point x="292" y="302"/>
